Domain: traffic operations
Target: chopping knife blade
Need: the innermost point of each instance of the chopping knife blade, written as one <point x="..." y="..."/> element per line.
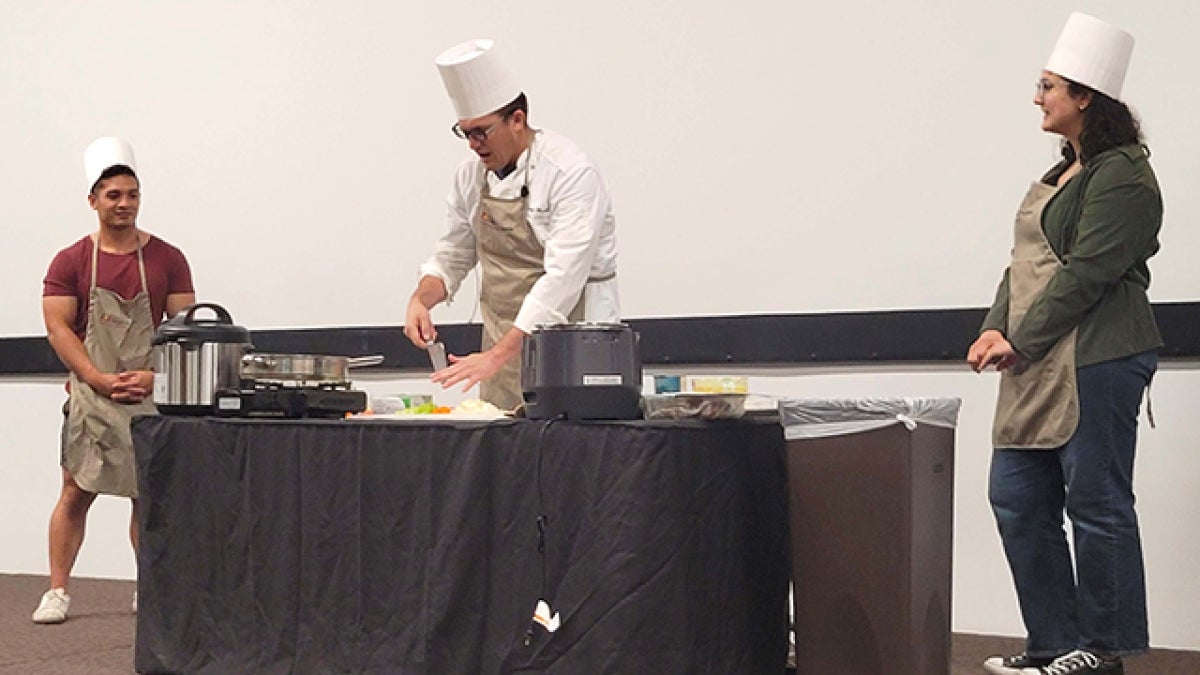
<point x="437" y="355"/>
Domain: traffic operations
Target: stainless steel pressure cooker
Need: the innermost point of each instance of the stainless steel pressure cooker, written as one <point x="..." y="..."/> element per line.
<point x="195" y="358"/>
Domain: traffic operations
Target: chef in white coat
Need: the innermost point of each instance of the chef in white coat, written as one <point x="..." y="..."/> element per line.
<point x="532" y="210"/>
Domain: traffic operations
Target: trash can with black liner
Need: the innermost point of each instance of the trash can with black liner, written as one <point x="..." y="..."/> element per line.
<point x="871" y="501"/>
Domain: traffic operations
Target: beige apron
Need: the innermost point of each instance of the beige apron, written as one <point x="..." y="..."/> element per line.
<point x="1038" y="407"/>
<point x="511" y="261"/>
<point x="120" y="336"/>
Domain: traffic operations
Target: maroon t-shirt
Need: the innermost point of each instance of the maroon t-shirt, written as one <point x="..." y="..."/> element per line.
<point x="70" y="274"/>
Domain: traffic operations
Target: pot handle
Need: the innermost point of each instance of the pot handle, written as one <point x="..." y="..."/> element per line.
<point x="256" y="359"/>
<point x="190" y="311"/>
<point x="364" y="361"/>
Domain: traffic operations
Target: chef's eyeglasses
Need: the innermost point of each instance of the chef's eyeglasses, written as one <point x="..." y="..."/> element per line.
<point x="478" y="134"/>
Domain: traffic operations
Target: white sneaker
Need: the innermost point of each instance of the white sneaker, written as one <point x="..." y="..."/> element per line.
<point x="133" y="605"/>
<point x="53" y="607"/>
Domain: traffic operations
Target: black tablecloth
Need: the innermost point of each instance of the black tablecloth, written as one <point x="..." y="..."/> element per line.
<point x="272" y="546"/>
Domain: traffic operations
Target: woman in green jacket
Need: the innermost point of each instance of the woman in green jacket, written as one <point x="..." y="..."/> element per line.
<point x="1074" y="336"/>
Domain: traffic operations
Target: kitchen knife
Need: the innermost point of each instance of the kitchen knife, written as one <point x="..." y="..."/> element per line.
<point x="437" y="355"/>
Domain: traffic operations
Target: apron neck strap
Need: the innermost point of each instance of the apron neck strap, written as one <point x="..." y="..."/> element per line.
<point x="96" y="260"/>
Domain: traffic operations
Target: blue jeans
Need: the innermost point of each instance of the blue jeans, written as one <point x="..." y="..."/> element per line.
<point x="1099" y="603"/>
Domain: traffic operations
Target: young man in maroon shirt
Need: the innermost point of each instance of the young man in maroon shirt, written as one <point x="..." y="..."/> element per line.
<point x="101" y="300"/>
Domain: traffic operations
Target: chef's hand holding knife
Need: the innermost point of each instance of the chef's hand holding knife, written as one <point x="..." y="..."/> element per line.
<point x="418" y="326"/>
<point x="471" y="369"/>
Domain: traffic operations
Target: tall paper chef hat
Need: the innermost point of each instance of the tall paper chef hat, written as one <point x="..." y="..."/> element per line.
<point x="476" y="79"/>
<point x="1093" y="53"/>
<point x="104" y="153"/>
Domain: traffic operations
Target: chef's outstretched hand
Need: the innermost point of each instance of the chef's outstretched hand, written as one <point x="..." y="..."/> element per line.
<point x="418" y="324"/>
<point x="470" y="369"/>
<point x="991" y="348"/>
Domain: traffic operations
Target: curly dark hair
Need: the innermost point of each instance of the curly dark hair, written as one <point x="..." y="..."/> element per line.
<point x="1107" y="124"/>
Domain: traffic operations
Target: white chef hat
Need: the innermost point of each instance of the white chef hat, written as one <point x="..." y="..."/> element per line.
<point x="1093" y="53"/>
<point x="104" y="153"/>
<point x="476" y="79"/>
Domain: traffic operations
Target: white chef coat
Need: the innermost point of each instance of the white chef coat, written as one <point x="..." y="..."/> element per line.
<point x="571" y="214"/>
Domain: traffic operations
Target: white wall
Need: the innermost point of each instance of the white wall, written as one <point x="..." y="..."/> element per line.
<point x="825" y="155"/>
<point x="1167" y="467"/>
<point x="765" y="156"/>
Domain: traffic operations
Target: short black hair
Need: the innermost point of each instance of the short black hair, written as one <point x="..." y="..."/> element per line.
<point x="519" y="103"/>
<point x="115" y="170"/>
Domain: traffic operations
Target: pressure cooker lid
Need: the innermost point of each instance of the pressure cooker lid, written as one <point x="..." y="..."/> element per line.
<point x="587" y="326"/>
<point x="187" y="327"/>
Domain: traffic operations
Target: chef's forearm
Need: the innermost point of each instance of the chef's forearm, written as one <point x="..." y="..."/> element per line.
<point x="510" y="345"/>
<point x="430" y="291"/>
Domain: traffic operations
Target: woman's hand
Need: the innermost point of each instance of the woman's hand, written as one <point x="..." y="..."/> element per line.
<point x="991" y="348"/>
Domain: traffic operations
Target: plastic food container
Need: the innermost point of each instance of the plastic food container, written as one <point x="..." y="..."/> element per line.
<point x="724" y="384"/>
<point x="695" y="405"/>
<point x="392" y="403"/>
<point x="667" y="384"/>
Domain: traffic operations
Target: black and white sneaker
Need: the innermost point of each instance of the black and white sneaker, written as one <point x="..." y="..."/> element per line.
<point x="1079" y="663"/>
<point x="1016" y="665"/>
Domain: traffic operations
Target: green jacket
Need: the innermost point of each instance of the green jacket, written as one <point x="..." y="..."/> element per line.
<point x="1103" y="225"/>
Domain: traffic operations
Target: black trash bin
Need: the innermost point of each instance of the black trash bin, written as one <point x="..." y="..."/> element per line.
<point x="871" y="500"/>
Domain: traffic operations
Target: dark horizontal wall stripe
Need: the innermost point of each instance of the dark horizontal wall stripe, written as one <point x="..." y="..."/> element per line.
<point x="28" y="356"/>
<point x="774" y="339"/>
<point x="932" y="335"/>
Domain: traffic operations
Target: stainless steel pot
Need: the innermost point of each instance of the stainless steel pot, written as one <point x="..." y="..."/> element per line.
<point x="195" y="358"/>
<point x="305" y="368"/>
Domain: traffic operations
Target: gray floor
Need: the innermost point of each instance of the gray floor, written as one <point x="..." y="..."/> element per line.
<point x="98" y="639"/>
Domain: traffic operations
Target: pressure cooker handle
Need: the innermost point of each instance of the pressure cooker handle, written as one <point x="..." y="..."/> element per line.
<point x="222" y="315"/>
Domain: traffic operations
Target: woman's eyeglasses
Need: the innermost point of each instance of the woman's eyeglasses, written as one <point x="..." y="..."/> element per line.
<point x="1042" y="86"/>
